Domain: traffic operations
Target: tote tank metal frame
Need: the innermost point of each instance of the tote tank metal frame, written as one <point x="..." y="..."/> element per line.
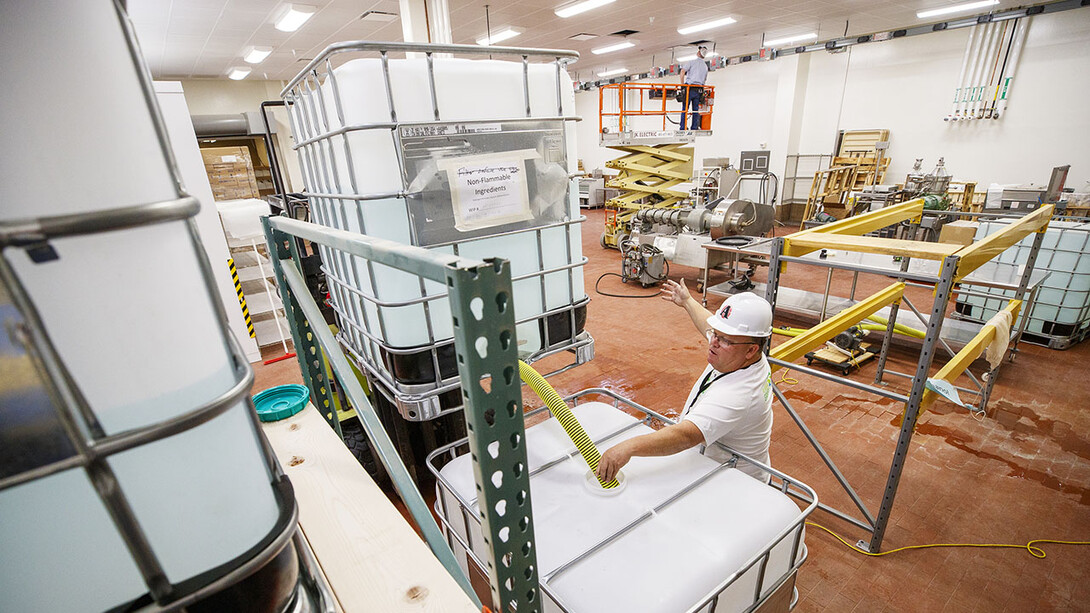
<point x="92" y="452"/>
<point x="421" y="379"/>
<point x="1059" y="315"/>
<point x="65" y="433"/>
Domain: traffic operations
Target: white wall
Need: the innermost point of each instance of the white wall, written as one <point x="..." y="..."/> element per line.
<point x="219" y="97"/>
<point x="183" y="141"/>
<point x="797" y="105"/>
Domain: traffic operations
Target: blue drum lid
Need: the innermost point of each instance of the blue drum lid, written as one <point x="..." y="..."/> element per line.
<point x="280" y="402"/>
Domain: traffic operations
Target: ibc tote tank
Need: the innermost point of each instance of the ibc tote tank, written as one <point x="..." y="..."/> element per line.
<point x="467" y="156"/>
<point x="133" y="474"/>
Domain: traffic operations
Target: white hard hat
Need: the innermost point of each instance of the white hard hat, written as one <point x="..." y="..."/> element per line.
<point x="743" y="315"/>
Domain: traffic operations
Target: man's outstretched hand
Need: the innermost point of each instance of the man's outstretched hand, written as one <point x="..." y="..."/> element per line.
<point x="676" y="292"/>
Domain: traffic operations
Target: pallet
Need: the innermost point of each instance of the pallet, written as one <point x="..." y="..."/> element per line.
<point x="828" y="189"/>
<point x="839" y="361"/>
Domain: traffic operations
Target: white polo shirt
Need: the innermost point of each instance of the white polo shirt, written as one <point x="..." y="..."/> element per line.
<point x="735" y="409"/>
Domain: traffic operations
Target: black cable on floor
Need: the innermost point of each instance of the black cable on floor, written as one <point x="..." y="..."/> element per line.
<point x="613" y="274"/>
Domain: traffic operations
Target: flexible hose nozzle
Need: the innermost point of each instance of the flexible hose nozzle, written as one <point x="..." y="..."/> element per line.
<point x="567" y="419"/>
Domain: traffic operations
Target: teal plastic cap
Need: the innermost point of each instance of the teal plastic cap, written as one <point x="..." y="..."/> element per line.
<point x="280" y="402"/>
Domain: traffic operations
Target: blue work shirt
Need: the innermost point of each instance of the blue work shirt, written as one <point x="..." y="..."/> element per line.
<point x="696" y="71"/>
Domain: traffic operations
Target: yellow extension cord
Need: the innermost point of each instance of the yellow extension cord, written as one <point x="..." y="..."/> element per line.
<point x="563" y="414"/>
<point x="1034" y="551"/>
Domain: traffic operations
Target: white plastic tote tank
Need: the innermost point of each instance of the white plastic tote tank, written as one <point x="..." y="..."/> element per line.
<point x="669" y="563"/>
<point x="409" y="178"/>
<point x="1062" y="307"/>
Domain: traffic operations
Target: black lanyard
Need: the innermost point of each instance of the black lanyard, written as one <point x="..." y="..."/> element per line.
<point x="705" y="384"/>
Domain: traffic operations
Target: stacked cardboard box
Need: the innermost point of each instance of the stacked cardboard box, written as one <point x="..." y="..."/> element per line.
<point x="230" y="173"/>
<point x="958" y="232"/>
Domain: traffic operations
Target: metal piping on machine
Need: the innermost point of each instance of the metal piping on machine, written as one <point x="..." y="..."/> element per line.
<point x="736" y="217"/>
<point x="676" y="235"/>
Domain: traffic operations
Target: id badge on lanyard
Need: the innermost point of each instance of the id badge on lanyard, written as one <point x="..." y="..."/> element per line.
<point x="704" y="385"/>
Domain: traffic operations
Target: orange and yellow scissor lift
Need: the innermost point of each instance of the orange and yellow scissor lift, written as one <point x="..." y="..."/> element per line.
<point x="637" y="120"/>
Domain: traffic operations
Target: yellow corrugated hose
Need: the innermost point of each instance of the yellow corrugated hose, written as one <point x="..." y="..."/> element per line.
<point x="563" y="414"/>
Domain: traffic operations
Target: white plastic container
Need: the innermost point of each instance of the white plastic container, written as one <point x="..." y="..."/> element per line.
<point x="369" y="162"/>
<point x="1062" y="308"/>
<point x="132" y="319"/>
<point x="669" y="562"/>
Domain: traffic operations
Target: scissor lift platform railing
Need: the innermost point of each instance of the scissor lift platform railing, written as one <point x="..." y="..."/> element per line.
<point x="657" y="156"/>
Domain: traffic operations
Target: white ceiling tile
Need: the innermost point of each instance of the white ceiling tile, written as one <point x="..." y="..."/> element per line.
<point x="198" y="36"/>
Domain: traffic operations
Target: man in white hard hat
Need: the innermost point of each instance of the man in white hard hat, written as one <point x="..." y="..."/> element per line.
<point x="731" y="402"/>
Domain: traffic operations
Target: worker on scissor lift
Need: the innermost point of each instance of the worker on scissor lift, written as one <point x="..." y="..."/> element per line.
<point x="693" y="75"/>
<point x="731" y="402"/>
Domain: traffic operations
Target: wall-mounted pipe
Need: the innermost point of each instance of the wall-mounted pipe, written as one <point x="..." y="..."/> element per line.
<point x="1008" y="77"/>
<point x="967" y="86"/>
<point x="1008" y="42"/>
<point x="987" y="71"/>
<point x="974" y="67"/>
<point x="982" y="76"/>
<point x="961" y="75"/>
<point x="991" y="65"/>
<point x="976" y="71"/>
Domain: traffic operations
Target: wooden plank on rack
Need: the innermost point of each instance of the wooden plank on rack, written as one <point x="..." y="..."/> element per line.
<point x="371" y="556"/>
<point x="872" y="244"/>
<point x="980" y="252"/>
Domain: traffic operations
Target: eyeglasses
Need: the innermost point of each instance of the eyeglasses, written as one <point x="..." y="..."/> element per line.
<point x="724" y="342"/>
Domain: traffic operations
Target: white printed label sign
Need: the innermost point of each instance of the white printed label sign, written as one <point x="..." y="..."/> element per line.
<point x="489" y="190"/>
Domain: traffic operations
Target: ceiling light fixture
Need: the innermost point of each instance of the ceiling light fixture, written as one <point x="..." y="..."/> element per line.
<point x="238" y="73"/>
<point x="293" y="16"/>
<point x="499" y="35"/>
<point x="614" y="47"/>
<point x="378" y="16"/>
<point x="574" y="8"/>
<point x="957" y="8"/>
<point x="707" y="25"/>
<point x="610" y="73"/>
<point x="256" y="55"/>
<point x="787" y="40"/>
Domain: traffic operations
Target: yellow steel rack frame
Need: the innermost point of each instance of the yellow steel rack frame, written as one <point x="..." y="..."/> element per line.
<point x="957" y="262"/>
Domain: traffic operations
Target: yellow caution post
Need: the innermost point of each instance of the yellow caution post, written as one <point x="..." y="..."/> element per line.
<point x="241" y="297"/>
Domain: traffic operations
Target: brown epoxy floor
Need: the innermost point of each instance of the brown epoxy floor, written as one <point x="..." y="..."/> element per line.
<point x="1022" y="473"/>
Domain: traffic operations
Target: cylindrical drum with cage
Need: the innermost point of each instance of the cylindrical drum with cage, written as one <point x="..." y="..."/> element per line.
<point x="473" y="157"/>
<point x="133" y="475"/>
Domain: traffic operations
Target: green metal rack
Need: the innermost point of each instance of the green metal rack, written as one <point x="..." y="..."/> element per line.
<point x="487" y="357"/>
